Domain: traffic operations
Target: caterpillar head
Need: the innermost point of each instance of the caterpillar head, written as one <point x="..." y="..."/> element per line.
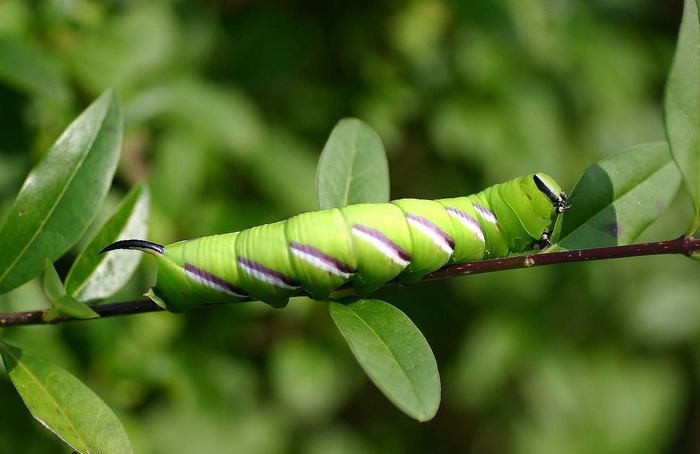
<point x="552" y="191"/>
<point x="528" y="206"/>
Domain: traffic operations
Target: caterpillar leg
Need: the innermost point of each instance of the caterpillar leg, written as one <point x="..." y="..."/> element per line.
<point x="543" y="242"/>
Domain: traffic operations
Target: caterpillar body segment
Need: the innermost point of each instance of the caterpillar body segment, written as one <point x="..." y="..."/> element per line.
<point x="310" y="241"/>
<point x="366" y="245"/>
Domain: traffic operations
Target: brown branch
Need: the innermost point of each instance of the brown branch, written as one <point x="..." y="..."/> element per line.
<point x="104" y="310"/>
<point x="683" y="245"/>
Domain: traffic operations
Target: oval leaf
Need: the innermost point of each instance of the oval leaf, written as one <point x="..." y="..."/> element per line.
<point x="62" y="304"/>
<point x="94" y="276"/>
<point x="61" y="195"/>
<point x="53" y="287"/>
<point x="353" y="167"/>
<point x="68" y="306"/>
<point x="393" y="353"/>
<point x="63" y="404"/>
<point x="616" y="199"/>
<point x="682" y="105"/>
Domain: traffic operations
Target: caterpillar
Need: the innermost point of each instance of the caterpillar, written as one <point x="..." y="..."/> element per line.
<point x="366" y="245"/>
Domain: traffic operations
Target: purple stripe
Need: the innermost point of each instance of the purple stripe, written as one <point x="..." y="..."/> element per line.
<point x="215" y="281"/>
<point x="333" y="262"/>
<point x="269" y="272"/>
<point x="474" y="225"/>
<point x="376" y="234"/>
<point x="486" y="213"/>
<point x="462" y="215"/>
<point x="433" y="228"/>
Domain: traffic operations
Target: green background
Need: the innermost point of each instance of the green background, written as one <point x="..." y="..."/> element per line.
<point x="227" y="107"/>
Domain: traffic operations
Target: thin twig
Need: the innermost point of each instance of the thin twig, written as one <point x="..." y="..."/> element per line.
<point x="683" y="245"/>
<point x="104" y="310"/>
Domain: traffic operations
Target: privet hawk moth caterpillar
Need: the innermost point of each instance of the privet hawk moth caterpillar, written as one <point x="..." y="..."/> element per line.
<point x="366" y="245"/>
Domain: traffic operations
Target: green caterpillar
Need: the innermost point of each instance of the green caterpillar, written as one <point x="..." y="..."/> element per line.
<point x="366" y="245"/>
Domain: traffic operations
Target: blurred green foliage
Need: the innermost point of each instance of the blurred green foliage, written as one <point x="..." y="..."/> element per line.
<point x="227" y="106"/>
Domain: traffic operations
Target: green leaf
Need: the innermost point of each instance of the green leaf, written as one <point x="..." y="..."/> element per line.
<point x="63" y="404"/>
<point x="62" y="304"/>
<point x="68" y="306"/>
<point x="682" y="105"/>
<point x="62" y="194"/>
<point x="94" y="276"/>
<point x="393" y="353"/>
<point x="53" y="287"/>
<point x="619" y="197"/>
<point x="353" y="167"/>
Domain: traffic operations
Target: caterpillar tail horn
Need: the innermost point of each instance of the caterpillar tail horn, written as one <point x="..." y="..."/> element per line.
<point x="136" y="245"/>
<point x="155" y="249"/>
